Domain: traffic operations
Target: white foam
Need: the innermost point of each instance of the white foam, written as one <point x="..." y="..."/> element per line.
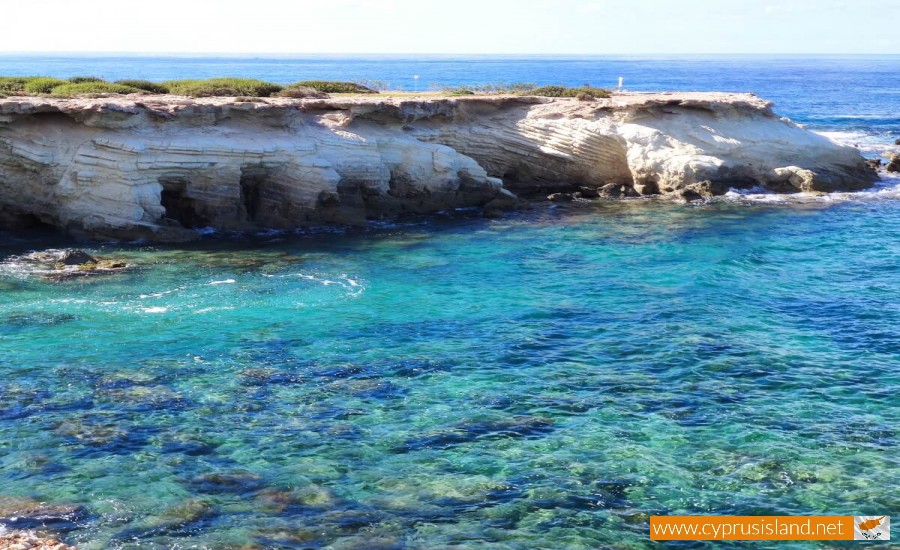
<point x="155" y="309"/>
<point x="868" y="143"/>
<point x="224" y="282"/>
<point x="353" y="286"/>
<point x="887" y="188"/>
<point x="160" y="294"/>
<point x="211" y="309"/>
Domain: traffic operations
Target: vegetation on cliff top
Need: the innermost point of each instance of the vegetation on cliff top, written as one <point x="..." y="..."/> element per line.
<point x="252" y="88"/>
<point x="301" y="92"/>
<point x="330" y="87"/>
<point x="145" y="85"/>
<point x="70" y="90"/>
<point x="526" y="89"/>
<point x="562" y="91"/>
<point x="43" y="85"/>
<point x="229" y="87"/>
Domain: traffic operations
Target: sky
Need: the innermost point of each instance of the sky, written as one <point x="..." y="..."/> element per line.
<point x="453" y="26"/>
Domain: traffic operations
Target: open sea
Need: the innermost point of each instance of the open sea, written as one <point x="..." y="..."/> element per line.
<point x="547" y="379"/>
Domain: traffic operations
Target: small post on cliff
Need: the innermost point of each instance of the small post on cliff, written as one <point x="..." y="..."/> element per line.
<point x="621" y="81"/>
<point x="415" y="83"/>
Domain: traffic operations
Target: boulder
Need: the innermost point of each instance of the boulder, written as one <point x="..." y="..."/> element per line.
<point x="616" y="190"/>
<point x="561" y="197"/>
<point x="702" y="190"/>
<point x="894" y="164"/>
<point x="76" y="257"/>
<point x="505" y="200"/>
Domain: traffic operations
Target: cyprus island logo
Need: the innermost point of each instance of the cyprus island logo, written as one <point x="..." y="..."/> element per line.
<point x="871" y="528"/>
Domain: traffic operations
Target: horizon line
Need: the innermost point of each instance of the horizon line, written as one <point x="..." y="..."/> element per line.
<point x="446" y="54"/>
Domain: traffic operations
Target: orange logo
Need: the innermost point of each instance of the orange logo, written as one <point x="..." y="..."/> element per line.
<point x="871" y="524"/>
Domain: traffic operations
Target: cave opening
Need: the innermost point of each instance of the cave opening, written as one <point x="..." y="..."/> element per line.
<point x="178" y="205"/>
<point x="252" y="180"/>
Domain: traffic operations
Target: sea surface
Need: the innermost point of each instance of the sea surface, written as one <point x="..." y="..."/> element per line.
<point x="547" y="379"/>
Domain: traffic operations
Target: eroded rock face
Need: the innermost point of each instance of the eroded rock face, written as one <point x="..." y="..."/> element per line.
<point x="158" y="166"/>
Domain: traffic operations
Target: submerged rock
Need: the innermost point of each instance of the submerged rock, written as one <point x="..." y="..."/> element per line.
<point x="520" y="426"/>
<point x="265" y="376"/>
<point x="182" y="519"/>
<point x="310" y="496"/>
<point x="144" y="397"/>
<point x="238" y="482"/>
<point x="25" y="513"/>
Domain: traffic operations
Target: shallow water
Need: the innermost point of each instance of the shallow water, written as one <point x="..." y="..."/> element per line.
<point x="548" y="379"/>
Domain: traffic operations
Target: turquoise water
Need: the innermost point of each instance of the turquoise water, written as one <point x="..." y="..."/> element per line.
<point x="547" y="379"/>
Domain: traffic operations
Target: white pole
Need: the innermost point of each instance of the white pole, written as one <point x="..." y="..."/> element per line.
<point x="621" y="81"/>
<point x="415" y="83"/>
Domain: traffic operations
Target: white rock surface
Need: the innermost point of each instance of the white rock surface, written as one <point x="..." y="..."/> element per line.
<point x="155" y="166"/>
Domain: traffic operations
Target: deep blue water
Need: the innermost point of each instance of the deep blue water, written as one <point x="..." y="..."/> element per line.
<point x="548" y="379"/>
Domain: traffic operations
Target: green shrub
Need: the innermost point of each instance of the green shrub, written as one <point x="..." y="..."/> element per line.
<point x="43" y="85"/>
<point x="227" y="87"/>
<point x="13" y="84"/>
<point x="562" y="91"/>
<point x="69" y="90"/>
<point x="145" y="85"/>
<point x="490" y="89"/>
<point x="333" y="87"/>
<point x="518" y="87"/>
<point x="83" y="79"/>
<point x="301" y="92"/>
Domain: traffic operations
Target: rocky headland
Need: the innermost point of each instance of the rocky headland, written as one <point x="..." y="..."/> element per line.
<point x="156" y="167"/>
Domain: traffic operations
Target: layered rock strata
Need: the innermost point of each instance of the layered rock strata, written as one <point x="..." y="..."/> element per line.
<point x="159" y="166"/>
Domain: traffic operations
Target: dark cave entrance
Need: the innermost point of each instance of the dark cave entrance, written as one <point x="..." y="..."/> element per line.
<point x="180" y="207"/>
<point x="252" y="180"/>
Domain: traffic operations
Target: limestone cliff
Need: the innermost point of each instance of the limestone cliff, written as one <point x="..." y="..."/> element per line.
<point x="157" y="166"/>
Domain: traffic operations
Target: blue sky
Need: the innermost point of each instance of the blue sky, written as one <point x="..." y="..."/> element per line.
<point x="454" y="26"/>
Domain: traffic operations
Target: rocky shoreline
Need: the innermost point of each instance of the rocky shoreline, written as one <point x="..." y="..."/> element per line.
<point x="157" y="167"/>
<point x="29" y="540"/>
